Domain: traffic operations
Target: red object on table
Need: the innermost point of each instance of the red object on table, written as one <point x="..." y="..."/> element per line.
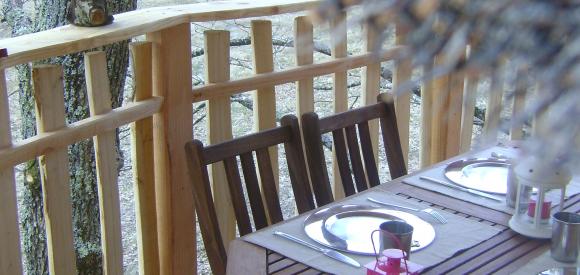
<point x="390" y="264"/>
<point x="546" y="206"/>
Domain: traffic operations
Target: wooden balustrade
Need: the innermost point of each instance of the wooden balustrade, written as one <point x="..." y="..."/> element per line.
<point x="161" y="118"/>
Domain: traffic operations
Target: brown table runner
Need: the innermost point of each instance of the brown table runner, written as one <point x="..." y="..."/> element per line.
<point x="458" y="234"/>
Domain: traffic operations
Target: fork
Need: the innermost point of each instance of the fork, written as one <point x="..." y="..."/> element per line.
<point x="429" y="211"/>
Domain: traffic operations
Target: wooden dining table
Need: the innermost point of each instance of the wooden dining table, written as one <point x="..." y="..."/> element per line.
<point x="504" y="252"/>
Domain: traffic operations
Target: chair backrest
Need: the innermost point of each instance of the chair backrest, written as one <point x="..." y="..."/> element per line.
<point x="344" y="126"/>
<point x="199" y="157"/>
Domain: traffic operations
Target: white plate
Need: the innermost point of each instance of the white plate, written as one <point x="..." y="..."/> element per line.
<point x="349" y="227"/>
<point x="487" y="175"/>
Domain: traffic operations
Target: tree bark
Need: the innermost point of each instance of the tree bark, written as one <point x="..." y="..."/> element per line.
<point x="50" y="14"/>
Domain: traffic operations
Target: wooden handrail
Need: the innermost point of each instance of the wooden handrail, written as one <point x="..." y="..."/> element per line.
<point x="43" y="143"/>
<point x="70" y="39"/>
<point x="232" y="87"/>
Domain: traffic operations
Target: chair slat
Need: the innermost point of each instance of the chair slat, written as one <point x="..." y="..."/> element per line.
<point x="237" y="196"/>
<point x="253" y="189"/>
<point x="342" y="161"/>
<point x="316" y="160"/>
<point x="297" y="167"/>
<point x="269" y="185"/>
<point x="368" y="154"/>
<point x="205" y="208"/>
<point x="392" y="142"/>
<point x="355" y="159"/>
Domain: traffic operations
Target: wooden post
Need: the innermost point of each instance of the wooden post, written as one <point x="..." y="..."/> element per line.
<point x="264" y="98"/>
<point x="303" y="44"/>
<point x="492" y="113"/>
<point x="371" y="84"/>
<point x="403" y="73"/>
<point x="106" y="159"/>
<point x="519" y="104"/>
<point x="217" y="69"/>
<point x="143" y="162"/>
<point x="54" y="170"/>
<point x="10" y="259"/>
<point x="173" y="127"/>
<point x="439" y="115"/>
<point x="454" y="111"/>
<point x="426" y="118"/>
<point x="339" y="50"/>
<point x="469" y="95"/>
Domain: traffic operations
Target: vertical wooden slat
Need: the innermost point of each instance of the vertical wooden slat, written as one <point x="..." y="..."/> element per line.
<point x="439" y="115"/>
<point x="316" y="161"/>
<point x="455" y="106"/>
<point x="339" y="50"/>
<point x="493" y="109"/>
<point x="371" y="85"/>
<point x="50" y="115"/>
<point x="10" y="260"/>
<point x="426" y="118"/>
<point x="237" y="196"/>
<point x="143" y="162"/>
<point x="253" y="189"/>
<point x="519" y="102"/>
<point x="99" y="95"/>
<point x="173" y="127"/>
<point x="368" y="154"/>
<point x="269" y="185"/>
<point x="355" y="158"/>
<point x="469" y="95"/>
<point x="403" y="73"/>
<point x="342" y="162"/>
<point x="217" y="62"/>
<point x="303" y="40"/>
<point x="264" y="98"/>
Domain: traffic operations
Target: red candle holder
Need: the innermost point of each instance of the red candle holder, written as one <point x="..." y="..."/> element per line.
<point x="546" y="208"/>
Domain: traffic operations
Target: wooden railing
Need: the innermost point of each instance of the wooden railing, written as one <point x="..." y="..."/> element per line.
<point x="161" y="118"/>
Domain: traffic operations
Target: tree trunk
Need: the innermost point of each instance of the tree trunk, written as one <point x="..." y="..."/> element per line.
<point x="50" y="14"/>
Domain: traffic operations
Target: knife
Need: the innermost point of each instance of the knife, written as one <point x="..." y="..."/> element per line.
<point x="464" y="189"/>
<point x="328" y="252"/>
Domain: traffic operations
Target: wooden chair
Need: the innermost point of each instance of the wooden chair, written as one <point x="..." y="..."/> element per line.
<point x="345" y="125"/>
<point x="199" y="157"/>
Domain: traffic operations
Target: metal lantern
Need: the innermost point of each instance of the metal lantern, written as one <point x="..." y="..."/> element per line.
<point x="540" y="186"/>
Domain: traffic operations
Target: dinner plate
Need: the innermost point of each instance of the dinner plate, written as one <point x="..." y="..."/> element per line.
<point x="349" y="227"/>
<point x="487" y="175"/>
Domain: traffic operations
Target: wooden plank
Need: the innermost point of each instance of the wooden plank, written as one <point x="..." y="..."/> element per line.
<point x="519" y="104"/>
<point x="469" y="95"/>
<point x="439" y="115"/>
<point x="265" y="97"/>
<point x="50" y="115"/>
<point x="99" y="95"/>
<point x="501" y="260"/>
<point x="69" y="39"/>
<point x="143" y="162"/>
<point x="253" y="190"/>
<point x="44" y="142"/>
<point x="217" y="62"/>
<point x="216" y="90"/>
<point x="237" y="196"/>
<point x="454" y="111"/>
<point x="371" y="85"/>
<point x="10" y="259"/>
<point x="338" y="40"/>
<point x="304" y="47"/>
<point x="427" y="90"/>
<point x="355" y="159"/>
<point x="368" y="155"/>
<point x="172" y="129"/>
<point x="341" y="155"/>
<point x="493" y="109"/>
<point x="270" y="191"/>
<point x="403" y="73"/>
